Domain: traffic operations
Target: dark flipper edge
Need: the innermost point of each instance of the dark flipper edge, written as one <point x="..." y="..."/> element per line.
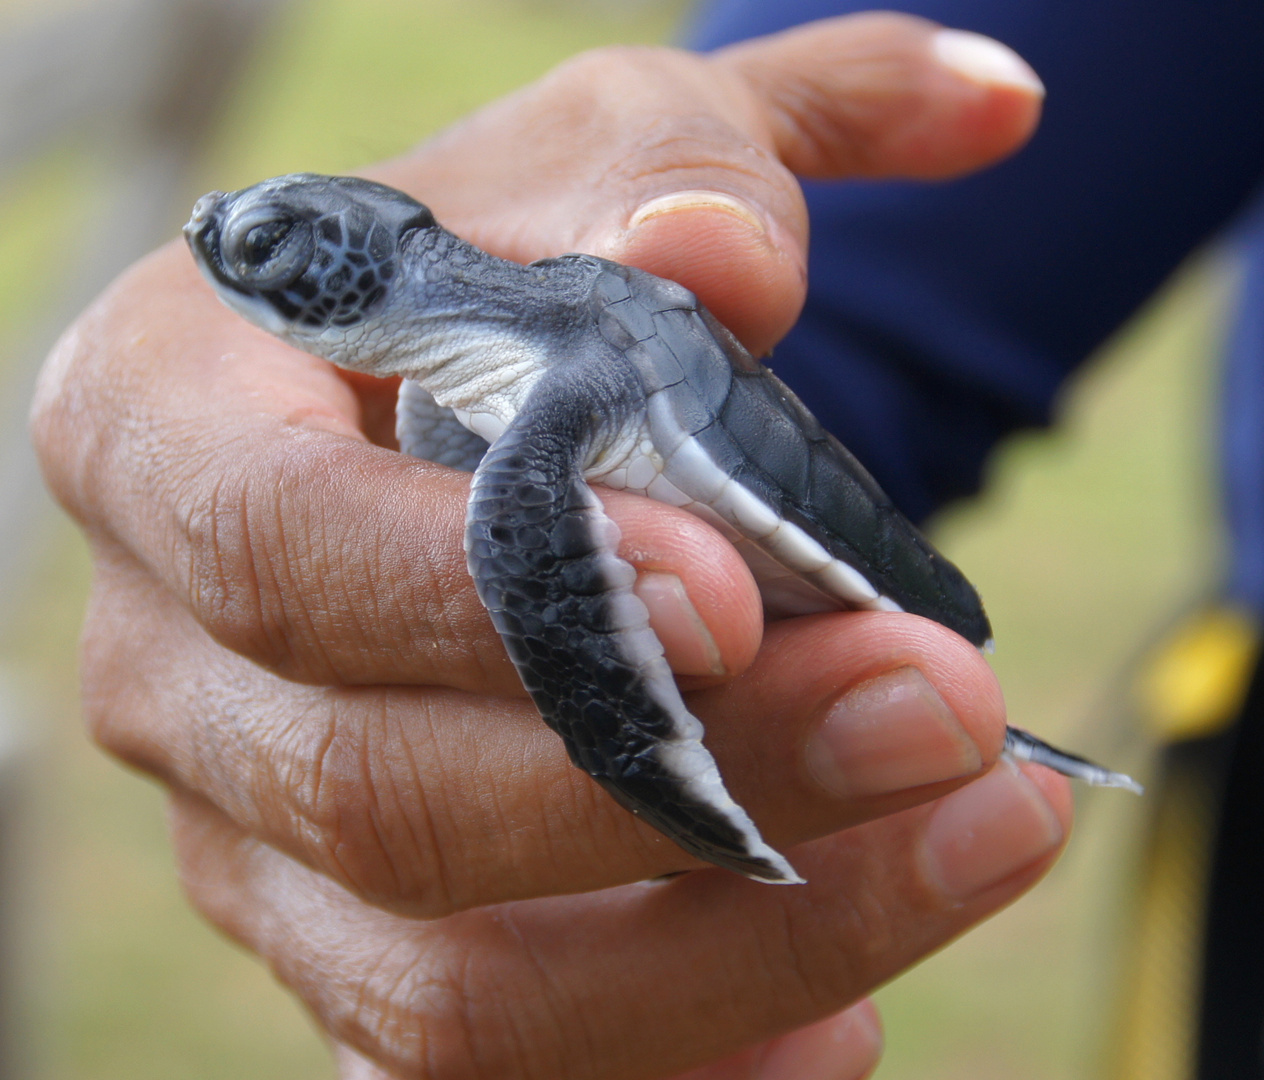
<point x="1023" y="746"/>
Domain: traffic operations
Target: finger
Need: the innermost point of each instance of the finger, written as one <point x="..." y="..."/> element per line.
<point x="683" y="164"/>
<point x="638" y="982"/>
<point x="244" y="485"/>
<point x="430" y="801"/>
<point x="842" y="1047"/>
<point x="887" y="95"/>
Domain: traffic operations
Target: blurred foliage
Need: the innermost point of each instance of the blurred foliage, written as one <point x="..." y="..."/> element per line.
<point x="42" y="205"/>
<point x="1088" y="539"/>
<point x="350" y="83"/>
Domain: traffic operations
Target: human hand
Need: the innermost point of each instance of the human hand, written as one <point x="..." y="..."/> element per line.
<point x="282" y="628"/>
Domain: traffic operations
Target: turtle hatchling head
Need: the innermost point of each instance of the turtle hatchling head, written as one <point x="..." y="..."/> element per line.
<point x="309" y="258"/>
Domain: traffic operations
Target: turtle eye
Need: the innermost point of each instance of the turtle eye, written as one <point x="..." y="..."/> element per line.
<point x="267" y="248"/>
<point x="263" y="242"/>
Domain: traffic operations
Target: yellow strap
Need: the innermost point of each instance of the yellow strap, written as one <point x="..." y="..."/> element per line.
<point x="1156" y="1034"/>
<point x="1196" y="681"/>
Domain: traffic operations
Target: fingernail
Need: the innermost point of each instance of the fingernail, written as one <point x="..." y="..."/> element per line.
<point x="984" y="60"/>
<point x="980" y="835"/>
<point x="690" y="648"/>
<point x="890" y="733"/>
<point x="697" y="200"/>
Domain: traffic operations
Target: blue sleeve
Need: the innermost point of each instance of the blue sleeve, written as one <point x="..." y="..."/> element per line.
<point x="940" y="317"/>
<point x="1242" y="429"/>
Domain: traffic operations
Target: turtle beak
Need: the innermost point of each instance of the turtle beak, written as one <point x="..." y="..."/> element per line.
<point x="202" y="235"/>
<point x="195" y="231"/>
<point x="203" y="211"/>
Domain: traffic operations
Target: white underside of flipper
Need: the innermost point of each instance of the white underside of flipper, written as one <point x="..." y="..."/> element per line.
<point x="795" y="573"/>
<point x="683" y="756"/>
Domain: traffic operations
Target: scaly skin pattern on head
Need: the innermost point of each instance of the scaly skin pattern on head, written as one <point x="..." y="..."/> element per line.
<point x="543" y="379"/>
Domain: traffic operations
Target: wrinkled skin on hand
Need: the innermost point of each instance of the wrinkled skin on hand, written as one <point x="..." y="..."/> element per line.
<point x="282" y="629"/>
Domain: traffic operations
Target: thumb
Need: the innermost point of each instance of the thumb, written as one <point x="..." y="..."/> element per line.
<point x="887" y="95"/>
<point x="683" y="164"/>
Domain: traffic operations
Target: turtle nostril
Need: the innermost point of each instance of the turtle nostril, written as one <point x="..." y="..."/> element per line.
<point x="203" y="209"/>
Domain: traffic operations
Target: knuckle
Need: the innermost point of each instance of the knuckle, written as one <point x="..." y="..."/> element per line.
<point x="49" y="402"/>
<point x="830" y="962"/>
<point x="61" y="423"/>
<point x="441" y="1017"/>
<point x="616" y="92"/>
<point x="100" y="695"/>
<point x="416" y="1017"/>
<point x="606" y="68"/>
<point x="223" y="585"/>
<point x="82" y="412"/>
<point x="241" y="579"/>
<point x="114" y="712"/>
<point x="695" y="137"/>
<point x="362" y="815"/>
<point x="402" y="999"/>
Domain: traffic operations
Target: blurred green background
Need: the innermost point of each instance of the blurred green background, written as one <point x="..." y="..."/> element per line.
<point x="1088" y="541"/>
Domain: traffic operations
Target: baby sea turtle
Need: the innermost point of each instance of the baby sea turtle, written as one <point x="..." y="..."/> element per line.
<point x="542" y="379"/>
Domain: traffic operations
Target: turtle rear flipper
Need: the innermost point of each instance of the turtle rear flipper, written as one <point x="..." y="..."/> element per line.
<point x="543" y="557"/>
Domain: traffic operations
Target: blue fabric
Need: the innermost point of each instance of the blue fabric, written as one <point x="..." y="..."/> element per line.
<point x="940" y="317"/>
<point x="1242" y="430"/>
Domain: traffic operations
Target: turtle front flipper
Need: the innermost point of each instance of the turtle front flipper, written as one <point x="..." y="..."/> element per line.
<point x="543" y="557"/>
<point x="425" y="429"/>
